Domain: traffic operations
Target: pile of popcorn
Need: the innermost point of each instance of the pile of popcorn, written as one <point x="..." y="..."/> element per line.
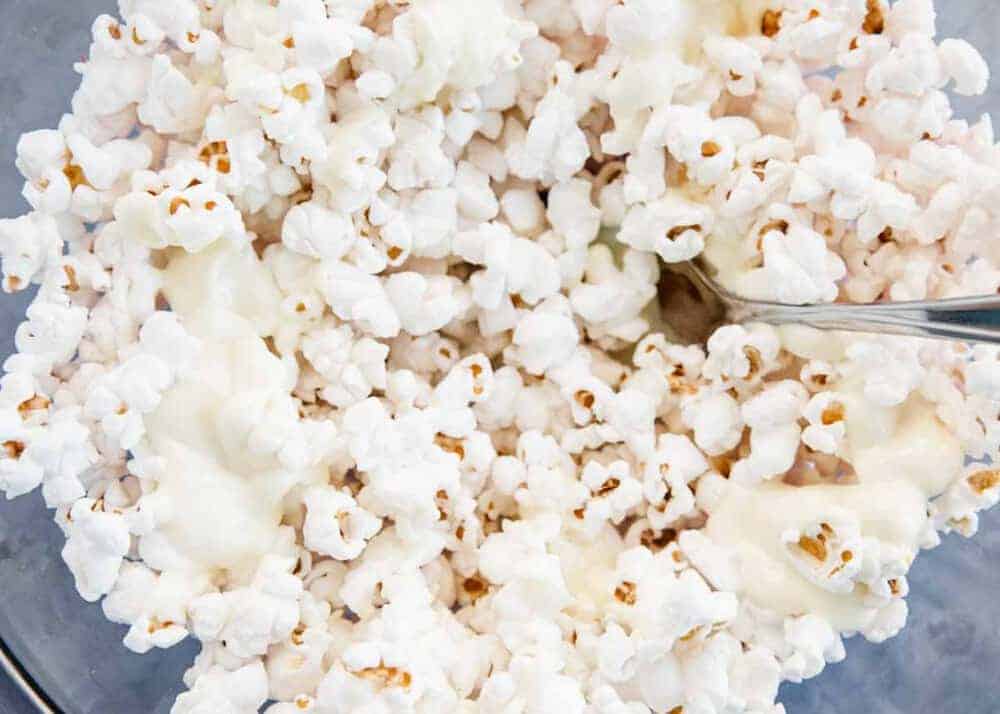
<point x="346" y="357"/>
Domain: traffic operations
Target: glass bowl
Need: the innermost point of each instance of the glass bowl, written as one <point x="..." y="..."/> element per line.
<point x="67" y="658"/>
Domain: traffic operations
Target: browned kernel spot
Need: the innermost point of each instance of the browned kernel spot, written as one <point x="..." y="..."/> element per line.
<point x="894" y="586"/>
<point x="710" y="149"/>
<point x="74" y="174"/>
<point x="387" y="676"/>
<point x="192" y="37"/>
<point x="155" y="625"/>
<point x="874" y="23"/>
<point x="770" y="23"/>
<point x="625" y="593"/>
<point x="394" y="252"/>
<point x="35" y="403"/>
<point x="301" y="92"/>
<point x="13" y="449"/>
<point x="302" y="703"/>
<point x="734" y="76"/>
<point x="676" y="710"/>
<point x="690" y="634"/>
<point x="832" y="414"/>
<point x="452" y="446"/>
<point x="886" y="235"/>
<point x="289" y="42"/>
<point x="176" y="204"/>
<point x="211" y="206"/>
<point x="518" y="302"/>
<point x="584" y="398"/>
<point x="853" y="45"/>
<point x="983" y="481"/>
<point x="135" y="37"/>
<point x="836" y="96"/>
<point x="297" y="635"/>
<point x="475" y="587"/>
<point x="579" y="512"/>
<point x="608" y="486"/>
<point x="115" y="31"/>
<point x="779" y="225"/>
<point x="813" y="546"/>
<point x="813" y="14"/>
<point x="755" y="358"/>
<point x="862" y="102"/>
<point x="71" y="284"/>
<point x="121" y="410"/>
<point x="460" y="532"/>
<point x="301" y="307"/>
<point x="657" y="541"/>
<point x="223" y="166"/>
<point x="678" y="231"/>
<point x="847" y="556"/>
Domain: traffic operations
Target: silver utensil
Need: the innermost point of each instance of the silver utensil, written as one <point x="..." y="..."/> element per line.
<point x="698" y="304"/>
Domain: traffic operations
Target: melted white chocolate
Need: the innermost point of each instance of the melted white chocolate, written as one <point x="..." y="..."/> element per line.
<point x="902" y="456"/>
<point x="227" y="498"/>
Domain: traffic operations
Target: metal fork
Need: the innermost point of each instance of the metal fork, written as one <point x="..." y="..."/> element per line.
<point x="972" y="319"/>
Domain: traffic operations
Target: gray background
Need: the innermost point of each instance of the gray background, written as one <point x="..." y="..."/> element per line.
<point x="945" y="662"/>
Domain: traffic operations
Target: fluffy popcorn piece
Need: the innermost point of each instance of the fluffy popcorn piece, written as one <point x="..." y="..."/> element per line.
<point x="152" y="605"/>
<point x="716" y="422"/>
<point x="965" y="65"/>
<point x="814" y="643"/>
<point x="615" y="492"/>
<point x="219" y="690"/>
<point x="545" y="337"/>
<point x="351" y="367"/>
<point x="828" y="553"/>
<point x="96" y="542"/>
<point x="672" y="227"/>
<point x="357" y="296"/>
<point x="335" y="525"/>
<point x="738" y="354"/>
<point x="423" y="304"/>
<point x="554" y="147"/>
<point x="514" y="266"/>
<point x="826" y="429"/>
<point x="314" y="230"/>
<point x="28" y="245"/>
<point x="252" y="618"/>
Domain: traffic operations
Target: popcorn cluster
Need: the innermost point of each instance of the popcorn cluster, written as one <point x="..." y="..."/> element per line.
<point x="346" y="357"/>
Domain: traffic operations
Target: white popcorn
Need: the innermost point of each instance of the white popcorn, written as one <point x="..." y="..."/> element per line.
<point x="545" y="337"/>
<point x="314" y="230"/>
<point x="673" y="228"/>
<point x="715" y="419"/>
<point x="346" y="357"/>
<point x="226" y="692"/>
<point x="826" y="430"/>
<point x="96" y="542"/>
<point x="335" y="525"/>
<point x="250" y="619"/>
<point x="514" y="266"/>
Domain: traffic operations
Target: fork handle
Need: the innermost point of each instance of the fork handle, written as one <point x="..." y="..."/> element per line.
<point x="975" y="319"/>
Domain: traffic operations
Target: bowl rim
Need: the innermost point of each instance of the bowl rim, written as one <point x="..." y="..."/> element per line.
<point x="20" y="676"/>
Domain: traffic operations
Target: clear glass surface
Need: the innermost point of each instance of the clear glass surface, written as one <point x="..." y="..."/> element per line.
<point x="945" y="662"/>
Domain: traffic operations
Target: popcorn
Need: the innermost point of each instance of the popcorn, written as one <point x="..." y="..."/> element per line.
<point x="335" y="525"/>
<point x="377" y="281"/>
<point x="96" y="542"/>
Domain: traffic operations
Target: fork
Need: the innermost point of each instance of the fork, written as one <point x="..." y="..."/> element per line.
<point x="972" y="319"/>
